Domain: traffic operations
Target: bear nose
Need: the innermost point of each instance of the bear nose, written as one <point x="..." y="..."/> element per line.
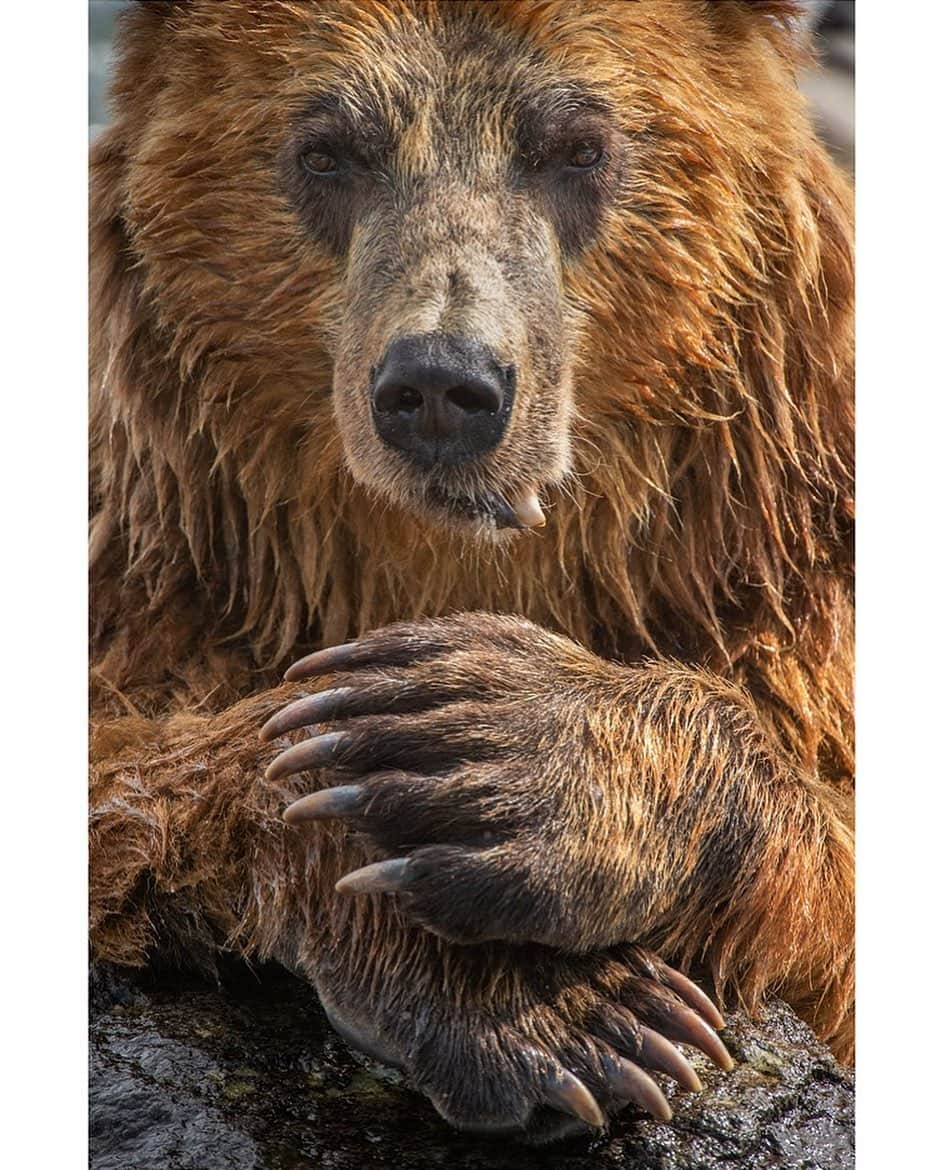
<point x="441" y="399"/>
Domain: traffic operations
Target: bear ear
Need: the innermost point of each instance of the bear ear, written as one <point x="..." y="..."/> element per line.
<point x="157" y="8"/>
<point x="778" y="9"/>
<point x="151" y="13"/>
<point x="790" y="15"/>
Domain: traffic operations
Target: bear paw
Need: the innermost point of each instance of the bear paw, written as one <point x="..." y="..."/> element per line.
<point x="464" y="752"/>
<point x="527" y="1042"/>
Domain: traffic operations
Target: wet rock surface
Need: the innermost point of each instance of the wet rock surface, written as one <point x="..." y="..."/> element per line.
<point x="186" y="1076"/>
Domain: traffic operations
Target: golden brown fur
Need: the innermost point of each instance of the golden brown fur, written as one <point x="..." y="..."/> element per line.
<point x="700" y="535"/>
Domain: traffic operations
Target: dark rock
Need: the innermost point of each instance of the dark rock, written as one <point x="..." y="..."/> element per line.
<point x="249" y="1075"/>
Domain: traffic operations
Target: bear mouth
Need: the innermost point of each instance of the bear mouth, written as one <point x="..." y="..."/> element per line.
<point x="490" y="509"/>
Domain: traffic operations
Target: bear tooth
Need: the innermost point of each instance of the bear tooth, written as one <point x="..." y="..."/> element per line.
<point x="528" y="510"/>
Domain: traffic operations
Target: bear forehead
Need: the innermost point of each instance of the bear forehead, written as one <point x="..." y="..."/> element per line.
<point x="392" y="48"/>
<point x="479" y="79"/>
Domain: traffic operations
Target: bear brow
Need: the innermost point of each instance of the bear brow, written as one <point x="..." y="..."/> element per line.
<point x="357" y="110"/>
<point x="544" y="118"/>
<point x="560" y="105"/>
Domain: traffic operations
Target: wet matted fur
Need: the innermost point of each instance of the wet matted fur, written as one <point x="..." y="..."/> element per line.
<point x="637" y="719"/>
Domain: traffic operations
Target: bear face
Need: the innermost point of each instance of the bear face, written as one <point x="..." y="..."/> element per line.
<point x="480" y="234"/>
<point x="453" y="231"/>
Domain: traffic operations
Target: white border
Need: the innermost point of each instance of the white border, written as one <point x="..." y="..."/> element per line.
<point x="44" y="595"/>
<point x="43" y="606"/>
<point x="895" y="182"/>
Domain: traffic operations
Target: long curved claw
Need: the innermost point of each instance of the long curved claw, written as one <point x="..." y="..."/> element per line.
<point x="312" y="753"/>
<point x="684" y="1025"/>
<point x="326" y="804"/>
<point x="383" y="877"/>
<point x="568" y="1094"/>
<point x="627" y="1080"/>
<point x="305" y="712"/>
<point x="658" y="1053"/>
<point x="694" y="996"/>
<point x="326" y="661"/>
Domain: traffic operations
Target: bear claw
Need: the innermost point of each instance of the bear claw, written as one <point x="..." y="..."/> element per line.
<point x="311" y="709"/>
<point x="325" y="804"/>
<point x="322" y="662"/>
<point x="311" y="753"/>
<point x="693" y="995"/>
<point x="569" y="1094"/>
<point x="631" y="1083"/>
<point x="683" y="1025"/>
<point x="658" y="1053"/>
<point x="383" y="877"/>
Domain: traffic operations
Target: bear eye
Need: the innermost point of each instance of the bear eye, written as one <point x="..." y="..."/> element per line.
<point x="584" y="156"/>
<point x="319" y="162"/>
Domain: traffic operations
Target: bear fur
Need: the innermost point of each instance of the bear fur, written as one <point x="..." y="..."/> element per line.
<point x="630" y="728"/>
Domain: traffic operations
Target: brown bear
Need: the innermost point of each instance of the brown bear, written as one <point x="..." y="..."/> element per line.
<point x="518" y="334"/>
